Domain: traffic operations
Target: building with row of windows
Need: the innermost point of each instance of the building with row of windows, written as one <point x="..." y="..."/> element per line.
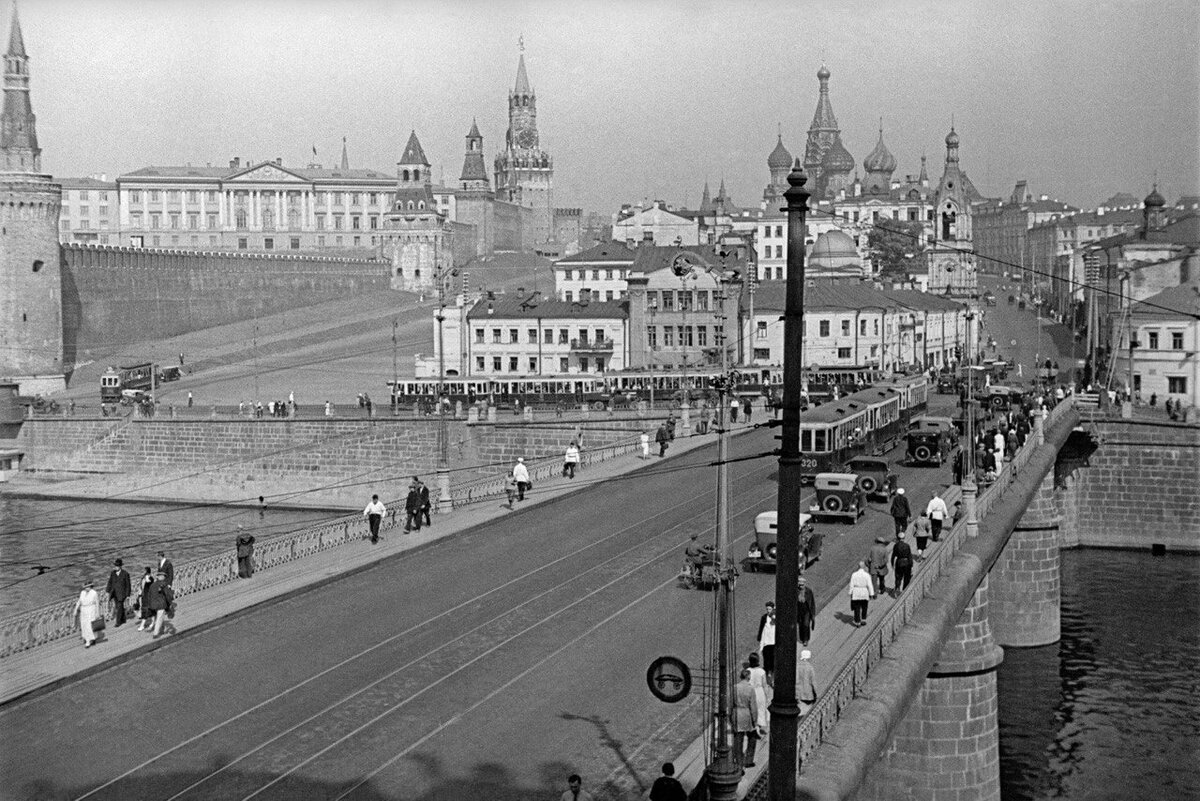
<point x="1166" y="361"/>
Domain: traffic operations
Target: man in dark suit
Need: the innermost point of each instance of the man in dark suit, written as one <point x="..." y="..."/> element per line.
<point x="119" y="589"/>
<point x="166" y="568"/>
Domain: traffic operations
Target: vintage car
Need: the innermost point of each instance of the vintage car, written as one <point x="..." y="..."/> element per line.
<point x="838" y="495"/>
<point x="762" y="554"/>
<point x="1002" y="397"/>
<point x="927" y="446"/>
<point x="947" y="384"/>
<point x="989" y="299"/>
<point x="875" y="478"/>
<point x="935" y="423"/>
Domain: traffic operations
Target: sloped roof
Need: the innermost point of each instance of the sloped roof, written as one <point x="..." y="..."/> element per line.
<point x="1177" y="303"/>
<point x="651" y="258"/>
<point x="533" y="305"/>
<point x="85" y="183"/>
<point x="772" y="296"/>
<point x="16" y="42"/>
<point x="413" y="152"/>
<point x="507" y="260"/>
<point x="522" y="87"/>
<point x="221" y="173"/>
<point x="615" y="252"/>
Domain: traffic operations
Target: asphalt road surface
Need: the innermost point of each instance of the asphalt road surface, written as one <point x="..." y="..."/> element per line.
<point x="489" y="666"/>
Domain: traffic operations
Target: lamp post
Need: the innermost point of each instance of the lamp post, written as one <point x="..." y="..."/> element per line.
<point x="443" y="466"/>
<point x="785" y="712"/>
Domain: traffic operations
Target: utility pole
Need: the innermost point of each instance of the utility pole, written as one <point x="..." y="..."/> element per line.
<point x="395" y="368"/>
<point x="785" y="712"/>
<point x="722" y="772"/>
<point x="443" y="468"/>
<point x="256" y="360"/>
<point x="969" y="488"/>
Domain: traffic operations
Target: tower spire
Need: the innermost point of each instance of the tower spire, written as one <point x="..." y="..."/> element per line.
<point x="345" y="155"/>
<point x="522" y="87"/>
<point x="18" y="125"/>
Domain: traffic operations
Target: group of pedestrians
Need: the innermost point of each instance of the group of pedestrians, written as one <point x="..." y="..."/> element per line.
<point x="153" y="601"/>
<point x="416" y="507"/>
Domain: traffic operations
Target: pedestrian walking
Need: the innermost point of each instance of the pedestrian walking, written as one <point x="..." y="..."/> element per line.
<point x="766" y="641"/>
<point x="733" y="410"/>
<point x="160" y="597"/>
<point x="758" y="680"/>
<point x="189" y="399"/>
<point x="644" y="441"/>
<point x="921" y="534"/>
<point x="806" y="611"/>
<point x="88" y="610"/>
<point x="806" y="682"/>
<point x="878" y="562"/>
<point x="671" y="427"/>
<point x="245" y="553"/>
<point x="745" y="721"/>
<point x="666" y="787"/>
<point x="662" y="439"/>
<point x="747" y="408"/>
<point x="426" y="504"/>
<point x="570" y="460"/>
<point x="374" y="512"/>
<point x="958" y="466"/>
<point x="575" y="791"/>
<point x="119" y="589"/>
<point x="902" y="564"/>
<point x="168" y="569"/>
<point x="510" y="488"/>
<point x="521" y="474"/>
<point x="937" y="512"/>
<point x="861" y="592"/>
<point x="141" y="602"/>
<point x="900" y="510"/>
<point x="412" y="507"/>
<point x="328" y="409"/>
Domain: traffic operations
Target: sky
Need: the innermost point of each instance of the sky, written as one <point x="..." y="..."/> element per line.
<point x="636" y="100"/>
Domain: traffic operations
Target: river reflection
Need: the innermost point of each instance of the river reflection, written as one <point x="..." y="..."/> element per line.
<point x="80" y="539"/>
<point x="1112" y="711"/>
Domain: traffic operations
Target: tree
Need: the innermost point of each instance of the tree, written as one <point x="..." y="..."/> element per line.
<point x="895" y="246"/>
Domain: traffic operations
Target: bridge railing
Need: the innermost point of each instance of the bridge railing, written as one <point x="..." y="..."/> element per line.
<point x="57" y="620"/>
<point x="851" y="679"/>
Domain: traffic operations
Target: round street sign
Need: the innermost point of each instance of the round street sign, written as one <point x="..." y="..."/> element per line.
<point x="669" y="679"/>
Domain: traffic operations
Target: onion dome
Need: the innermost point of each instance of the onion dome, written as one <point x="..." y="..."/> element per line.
<point x="823" y="73"/>
<point x="780" y="158"/>
<point x="880" y="159"/>
<point x="837" y="158"/>
<point x="1154" y="199"/>
<point x="952" y="138"/>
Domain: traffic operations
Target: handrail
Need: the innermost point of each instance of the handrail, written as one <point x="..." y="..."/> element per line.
<point x="850" y="680"/>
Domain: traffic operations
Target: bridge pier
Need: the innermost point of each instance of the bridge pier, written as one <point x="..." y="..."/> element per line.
<point x="1026" y="589"/>
<point x="947" y="746"/>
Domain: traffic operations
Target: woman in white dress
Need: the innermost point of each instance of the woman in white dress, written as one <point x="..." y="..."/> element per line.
<point x="88" y="609"/>
<point x="758" y="680"/>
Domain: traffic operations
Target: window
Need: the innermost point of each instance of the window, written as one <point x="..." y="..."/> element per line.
<point x="599" y="334"/>
<point x="212" y="196"/>
<point x="651" y="299"/>
<point x="608" y="275"/>
<point x="514" y="364"/>
<point x="824" y="328"/>
<point x="685" y="300"/>
<point x="533" y="364"/>
<point x="843" y="353"/>
<point x="193" y="222"/>
<point x="845" y="328"/>
<point x="356" y="223"/>
<point x="762" y="354"/>
<point x="354" y="199"/>
<point x="583" y="336"/>
<point x="135" y="196"/>
<point x="1176" y="340"/>
<point x="338" y="222"/>
<point x="337" y="198"/>
<point x="512" y="336"/>
<point x="862" y="328"/>
<point x="172" y="195"/>
<point x="702" y="300"/>
<point x="65" y="225"/>
<point x="569" y="296"/>
<point x="779" y="230"/>
<point x="1177" y="385"/>
<point x="702" y="336"/>
<point x="320" y="241"/>
<point x="193" y="196"/>
<point x="652" y="337"/>
<point x="174" y="221"/>
<point x="668" y="300"/>
<point x="532" y="332"/>
<point x="608" y="294"/>
<point x="478" y="336"/>
<point x="779" y="251"/>
<point x="1152" y="340"/>
<point x="479" y="363"/>
<point x="371" y="199"/>
<point x="496" y="364"/>
<point x="374" y="219"/>
<point x="564" y="336"/>
<point x="548" y="336"/>
<point x="320" y="222"/>
<point x="155" y="220"/>
<point x="243" y="243"/>
<point x="495" y="336"/>
<point x="564" y="365"/>
<point x="583" y="365"/>
<point x="212" y="221"/>
<point x="239" y="219"/>
<point x="357" y="241"/>
<point x="268" y="243"/>
<point x="595" y="275"/>
<point x="295" y="243"/>
<point x="685" y="336"/>
<point x="668" y="336"/>
<point x="155" y="196"/>
<point x="761" y="328"/>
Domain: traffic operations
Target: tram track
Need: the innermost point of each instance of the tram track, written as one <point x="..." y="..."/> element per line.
<point x="425" y="663"/>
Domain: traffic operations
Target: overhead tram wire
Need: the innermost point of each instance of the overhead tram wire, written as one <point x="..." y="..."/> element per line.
<point x="1018" y="267"/>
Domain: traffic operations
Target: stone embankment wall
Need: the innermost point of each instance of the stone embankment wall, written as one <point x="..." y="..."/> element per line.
<point x="1138" y="489"/>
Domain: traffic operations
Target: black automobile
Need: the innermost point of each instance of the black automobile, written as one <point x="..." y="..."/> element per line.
<point x="947" y="384"/>
<point x="875" y="478"/>
<point x="927" y="446"/>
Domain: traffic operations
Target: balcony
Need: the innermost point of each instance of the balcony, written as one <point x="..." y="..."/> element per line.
<point x="591" y="346"/>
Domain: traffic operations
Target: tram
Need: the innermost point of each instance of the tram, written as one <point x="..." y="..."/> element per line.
<point x="122" y="382"/>
<point x="865" y="422"/>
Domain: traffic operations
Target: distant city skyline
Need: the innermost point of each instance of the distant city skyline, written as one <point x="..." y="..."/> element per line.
<point x="636" y="102"/>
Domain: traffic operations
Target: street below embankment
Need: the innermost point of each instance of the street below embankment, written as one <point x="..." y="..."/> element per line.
<point x="488" y="665"/>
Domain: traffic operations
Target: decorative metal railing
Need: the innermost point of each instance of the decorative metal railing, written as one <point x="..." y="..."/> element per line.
<point x="851" y="679"/>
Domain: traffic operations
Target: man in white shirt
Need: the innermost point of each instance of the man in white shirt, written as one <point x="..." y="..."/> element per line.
<point x="862" y="590"/>
<point x="521" y="474"/>
<point x="936" y="511"/>
<point x="374" y="513"/>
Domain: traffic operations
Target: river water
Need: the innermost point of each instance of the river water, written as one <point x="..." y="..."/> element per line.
<point x="1111" y="712"/>
<point x="80" y="539"/>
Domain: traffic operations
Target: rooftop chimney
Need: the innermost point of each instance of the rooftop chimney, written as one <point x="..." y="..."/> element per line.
<point x="234" y="163"/>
